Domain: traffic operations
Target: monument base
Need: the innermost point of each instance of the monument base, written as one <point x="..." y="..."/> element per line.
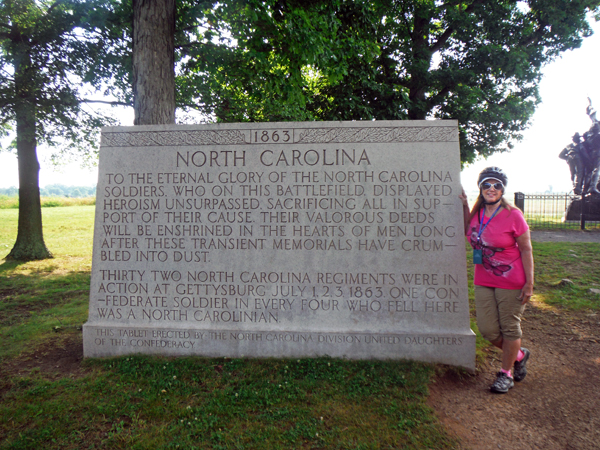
<point x="592" y="209"/>
<point x="443" y="348"/>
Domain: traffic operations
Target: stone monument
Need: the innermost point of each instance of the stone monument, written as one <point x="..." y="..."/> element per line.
<point x="281" y="240"/>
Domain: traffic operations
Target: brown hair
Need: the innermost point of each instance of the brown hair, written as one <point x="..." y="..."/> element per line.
<point x="479" y="203"/>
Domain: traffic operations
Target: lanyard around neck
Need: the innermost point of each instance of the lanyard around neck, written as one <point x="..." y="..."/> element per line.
<point x="483" y="226"/>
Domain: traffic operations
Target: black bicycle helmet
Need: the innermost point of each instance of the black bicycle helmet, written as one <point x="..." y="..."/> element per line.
<point x="493" y="172"/>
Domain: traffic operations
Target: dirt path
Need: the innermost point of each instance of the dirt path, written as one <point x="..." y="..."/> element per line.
<point x="566" y="236"/>
<point x="556" y="407"/>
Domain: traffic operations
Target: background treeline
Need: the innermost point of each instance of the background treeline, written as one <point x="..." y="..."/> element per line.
<point x="55" y="190"/>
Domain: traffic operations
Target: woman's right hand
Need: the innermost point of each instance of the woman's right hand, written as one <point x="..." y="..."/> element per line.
<point x="463" y="198"/>
<point x="465" y="202"/>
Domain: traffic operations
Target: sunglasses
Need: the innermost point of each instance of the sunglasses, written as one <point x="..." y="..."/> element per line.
<point x="498" y="186"/>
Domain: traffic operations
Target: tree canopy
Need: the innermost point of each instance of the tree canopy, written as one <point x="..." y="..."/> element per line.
<point x="48" y="49"/>
<point x="477" y="61"/>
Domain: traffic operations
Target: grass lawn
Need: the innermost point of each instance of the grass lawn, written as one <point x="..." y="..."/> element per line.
<point x="151" y="402"/>
<point x="575" y="261"/>
<point x="38" y="296"/>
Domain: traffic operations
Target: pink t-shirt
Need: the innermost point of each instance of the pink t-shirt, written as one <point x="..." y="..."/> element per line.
<point x="502" y="265"/>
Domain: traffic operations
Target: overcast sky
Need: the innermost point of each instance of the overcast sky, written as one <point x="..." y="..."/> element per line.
<point x="532" y="166"/>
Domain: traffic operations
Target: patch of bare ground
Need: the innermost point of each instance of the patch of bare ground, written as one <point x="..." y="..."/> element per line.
<point x="58" y="357"/>
<point x="556" y="406"/>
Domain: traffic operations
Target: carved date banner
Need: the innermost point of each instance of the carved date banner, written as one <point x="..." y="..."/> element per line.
<point x="281" y="240"/>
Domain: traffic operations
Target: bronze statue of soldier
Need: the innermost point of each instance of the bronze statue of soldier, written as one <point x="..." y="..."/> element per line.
<point x="583" y="157"/>
<point x="576" y="156"/>
<point x="591" y="145"/>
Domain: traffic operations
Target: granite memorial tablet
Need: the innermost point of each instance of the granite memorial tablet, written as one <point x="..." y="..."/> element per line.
<point x="281" y="240"/>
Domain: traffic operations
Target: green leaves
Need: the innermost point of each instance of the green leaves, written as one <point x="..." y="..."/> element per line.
<point x="267" y="66"/>
<point x="48" y="51"/>
<point x="478" y="62"/>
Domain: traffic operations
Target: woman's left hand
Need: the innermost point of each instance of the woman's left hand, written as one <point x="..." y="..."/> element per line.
<point x="526" y="293"/>
<point x="526" y="249"/>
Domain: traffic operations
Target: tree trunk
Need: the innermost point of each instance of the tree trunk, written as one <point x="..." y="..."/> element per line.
<point x="30" y="239"/>
<point x="154" y="61"/>
<point x="419" y="66"/>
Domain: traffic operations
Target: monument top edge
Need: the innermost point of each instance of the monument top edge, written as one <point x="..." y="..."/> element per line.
<point x="282" y="125"/>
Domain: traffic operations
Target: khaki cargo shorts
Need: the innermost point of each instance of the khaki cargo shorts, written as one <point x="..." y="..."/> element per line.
<point x="499" y="313"/>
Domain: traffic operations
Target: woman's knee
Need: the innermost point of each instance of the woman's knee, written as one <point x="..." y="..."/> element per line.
<point x="512" y="331"/>
<point x="489" y="331"/>
<point x="487" y="313"/>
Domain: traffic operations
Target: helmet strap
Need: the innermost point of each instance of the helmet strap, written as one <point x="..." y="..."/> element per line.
<point x="492" y="203"/>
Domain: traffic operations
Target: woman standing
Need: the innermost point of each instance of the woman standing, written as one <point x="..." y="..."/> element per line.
<point x="503" y="259"/>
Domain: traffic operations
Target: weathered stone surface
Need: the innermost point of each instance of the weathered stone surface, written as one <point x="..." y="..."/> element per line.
<point x="281" y="239"/>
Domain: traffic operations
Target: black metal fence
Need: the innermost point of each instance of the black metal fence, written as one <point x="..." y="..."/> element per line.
<point x="557" y="211"/>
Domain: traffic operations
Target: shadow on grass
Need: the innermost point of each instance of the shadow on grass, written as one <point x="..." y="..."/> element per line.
<point x="35" y="293"/>
<point x="10" y="264"/>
